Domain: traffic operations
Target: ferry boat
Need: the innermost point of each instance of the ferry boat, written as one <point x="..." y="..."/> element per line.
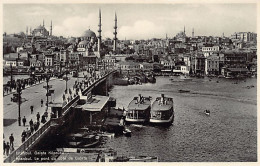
<point x="162" y="111"/>
<point x="138" y="110"/>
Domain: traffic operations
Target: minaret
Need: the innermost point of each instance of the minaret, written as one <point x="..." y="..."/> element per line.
<point x="99" y="32"/>
<point x="43" y="23"/>
<point x="51" y="29"/>
<point x="26" y="30"/>
<point x="115" y="33"/>
<point x="192" y="32"/>
<point x="184" y="30"/>
<point x="30" y="30"/>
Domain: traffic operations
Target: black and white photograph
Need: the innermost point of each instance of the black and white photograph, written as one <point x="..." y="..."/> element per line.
<point x="170" y="81"/>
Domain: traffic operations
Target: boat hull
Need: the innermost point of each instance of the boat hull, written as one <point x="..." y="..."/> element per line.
<point x="160" y="121"/>
<point x="128" y="120"/>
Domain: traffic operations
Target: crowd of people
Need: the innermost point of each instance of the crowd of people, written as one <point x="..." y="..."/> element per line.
<point x="12" y="85"/>
<point x="34" y="126"/>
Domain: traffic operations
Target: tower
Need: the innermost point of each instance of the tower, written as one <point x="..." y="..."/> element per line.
<point x="26" y="30"/>
<point x="192" y="32"/>
<point x="51" y="29"/>
<point x="115" y="33"/>
<point x="184" y="30"/>
<point x="30" y="30"/>
<point x="43" y="23"/>
<point x="99" y="32"/>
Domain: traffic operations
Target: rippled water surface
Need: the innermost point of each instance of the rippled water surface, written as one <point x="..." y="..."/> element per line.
<point x="228" y="134"/>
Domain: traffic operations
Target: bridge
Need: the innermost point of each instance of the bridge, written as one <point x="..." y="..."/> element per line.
<point x="64" y="115"/>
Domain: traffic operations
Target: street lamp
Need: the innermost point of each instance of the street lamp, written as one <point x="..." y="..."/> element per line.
<point x="19" y="91"/>
<point x="47" y="88"/>
<point x="66" y="80"/>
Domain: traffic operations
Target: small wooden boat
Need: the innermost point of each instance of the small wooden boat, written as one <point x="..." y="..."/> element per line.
<point x="207" y="112"/>
<point x="127" y="132"/>
<point x="184" y="91"/>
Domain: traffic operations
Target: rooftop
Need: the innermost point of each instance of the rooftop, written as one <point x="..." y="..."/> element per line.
<point x="135" y="104"/>
<point x="159" y="106"/>
<point x="95" y="103"/>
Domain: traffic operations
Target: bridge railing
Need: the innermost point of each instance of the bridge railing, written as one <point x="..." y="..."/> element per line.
<point x="27" y="143"/>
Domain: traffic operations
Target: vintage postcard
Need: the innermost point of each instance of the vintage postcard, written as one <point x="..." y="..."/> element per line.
<point x="163" y="82"/>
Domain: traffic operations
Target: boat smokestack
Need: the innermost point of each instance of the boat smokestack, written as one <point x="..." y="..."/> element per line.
<point x="162" y="98"/>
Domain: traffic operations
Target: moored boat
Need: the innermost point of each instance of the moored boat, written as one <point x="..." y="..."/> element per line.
<point x="162" y="111"/>
<point x="138" y="110"/>
<point x="83" y="140"/>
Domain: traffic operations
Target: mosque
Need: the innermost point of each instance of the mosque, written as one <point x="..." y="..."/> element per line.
<point x="88" y="45"/>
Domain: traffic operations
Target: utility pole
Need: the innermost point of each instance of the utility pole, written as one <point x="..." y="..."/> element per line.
<point x="11" y="75"/>
<point x="47" y="94"/>
<point x="19" y="102"/>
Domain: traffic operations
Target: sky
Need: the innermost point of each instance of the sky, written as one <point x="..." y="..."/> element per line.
<point x="135" y="21"/>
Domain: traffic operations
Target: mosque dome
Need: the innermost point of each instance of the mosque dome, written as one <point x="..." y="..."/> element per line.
<point x="71" y="40"/>
<point x="89" y="34"/>
<point x="40" y="27"/>
<point x="84" y="42"/>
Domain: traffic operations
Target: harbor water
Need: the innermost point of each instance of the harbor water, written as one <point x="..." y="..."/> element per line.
<point x="228" y="134"/>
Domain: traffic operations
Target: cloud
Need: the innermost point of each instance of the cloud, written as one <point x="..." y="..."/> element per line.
<point x="76" y="25"/>
<point x="37" y="11"/>
<point x="142" y="29"/>
<point x="108" y="34"/>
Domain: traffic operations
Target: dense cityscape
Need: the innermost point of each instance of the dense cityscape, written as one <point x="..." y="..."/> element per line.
<point x="72" y="71"/>
<point x="39" y="50"/>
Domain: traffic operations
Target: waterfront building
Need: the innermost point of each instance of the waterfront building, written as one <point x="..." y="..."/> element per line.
<point x="146" y="66"/>
<point x="49" y="59"/>
<point x="110" y="62"/>
<point x="7" y="62"/>
<point x="212" y="65"/>
<point x="37" y="64"/>
<point x="245" y="36"/>
<point x="128" y="66"/>
<point x="64" y="58"/>
<point x="200" y="64"/>
<point x="207" y="51"/>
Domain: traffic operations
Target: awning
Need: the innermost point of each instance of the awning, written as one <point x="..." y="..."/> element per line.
<point x="94" y="104"/>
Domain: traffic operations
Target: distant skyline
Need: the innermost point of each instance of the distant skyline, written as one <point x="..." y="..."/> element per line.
<point x="135" y="21"/>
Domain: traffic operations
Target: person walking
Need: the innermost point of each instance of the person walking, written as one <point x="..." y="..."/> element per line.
<point x="31" y="123"/>
<point x="4" y="146"/>
<point x="24" y="121"/>
<point x="43" y="119"/>
<point x="11" y="139"/>
<point x="38" y="116"/>
<point x="23" y="135"/>
<point x="41" y="102"/>
<point x="32" y="128"/>
<point x="31" y="109"/>
<point x="7" y="148"/>
<point x="28" y="133"/>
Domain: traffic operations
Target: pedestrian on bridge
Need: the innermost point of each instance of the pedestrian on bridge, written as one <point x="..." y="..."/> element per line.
<point x="31" y="123"/>
<point x="31" y="109"/>
<point x="43" y="119"/>
<point x="24" y="121"/>
<point x="4" y="146"/>
<point x="38" y="116"/>
<point x="28" y="133"/>
<point x="7" y="148"/>
<point x="32" y="128"/>
<point x="11" y="139"/>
